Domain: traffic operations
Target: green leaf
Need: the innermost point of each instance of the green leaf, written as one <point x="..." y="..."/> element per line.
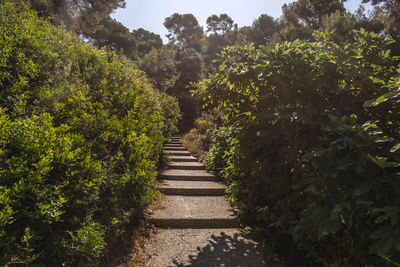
<point x="395" y="148"/>
<point x="382" y="98"/>
<point x="329" y="227"/>
<point x="222" y="67"/>
<point x="381" y="247"/>
<point x="363" y="189"/>
<point x="319" y="215"/>
<point x="369" y="124"/>
<point x="383" y="162"/>
<point x="382" y="232"/>
<point x="396" y="185"/>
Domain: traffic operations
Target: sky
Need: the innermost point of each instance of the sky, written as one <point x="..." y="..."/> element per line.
<point x="150" y="14"/>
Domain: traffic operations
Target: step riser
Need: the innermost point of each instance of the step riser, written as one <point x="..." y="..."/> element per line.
<point x="187" y="178"/>
<point x="173" y="145"/>
<point x="193" y="191"/>
<point x="178" y="153"/>
<point x="175" y="148"/>
<point x="182" y="167"/>
<point x="195" y="223"/>
<point x="183" y="160"/>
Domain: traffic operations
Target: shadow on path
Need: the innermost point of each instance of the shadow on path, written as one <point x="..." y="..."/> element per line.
<point x="226" y="250"/>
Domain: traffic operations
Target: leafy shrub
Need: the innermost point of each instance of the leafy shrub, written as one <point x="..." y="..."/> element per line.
<point x="197" y="140"/>
<point x="81" y="131"/>
<point x="309" y="147"/>
<point x="171" y="113"/>
<point x="220" y="151"/>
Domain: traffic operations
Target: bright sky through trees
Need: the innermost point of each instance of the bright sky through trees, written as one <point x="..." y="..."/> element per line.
<point x="150" y="14"/>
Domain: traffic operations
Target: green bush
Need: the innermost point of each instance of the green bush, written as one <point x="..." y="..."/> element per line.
<point x="171" y="113"/>
<point x="198" y="139"/>
<point x="310" y="147"/>
<point x="81" y="131"/>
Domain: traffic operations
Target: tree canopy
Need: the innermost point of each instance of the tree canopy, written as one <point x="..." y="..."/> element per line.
<point x="219" y="24"/>
<point x="184" y="29"/>
<point x="146" y="41"/>
<point x="116" y="36"/>
<point x="82" y="16"/>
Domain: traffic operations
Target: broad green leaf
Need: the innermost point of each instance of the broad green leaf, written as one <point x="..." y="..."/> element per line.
<point x="382" y="98"/>
<point x="329" y="227"/>
<point x="369" y="124"/>
<point x="383" y="162"/>
<point x="382" y="247"/>
<point x="363" y="189"/>
<point x="222" y="67"/>
<point x="395" y="148"/>
<point x="383" y="232"/>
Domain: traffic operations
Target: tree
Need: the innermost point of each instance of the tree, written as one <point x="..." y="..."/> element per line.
<point x="263" y="29"/>
<point x="302" y="17"/>
<point x="219" y="24"/>
<point x="160" y="67"/>
<point x="216" y="42"/>
<point x="190" y="66"/>
<point x="146" y="41"/>
<point x="292" y="27"/>
<point x="184" y="29"/>
<point x="392" y="20"/>
<point x="116" y="36"/>
<point x="342" y="26"/>
<point x="81" y="16"/>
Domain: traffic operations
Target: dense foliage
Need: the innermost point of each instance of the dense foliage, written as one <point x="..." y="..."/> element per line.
<point x="305" y="133"/>
<point x="198" y="139"/>
<point x="309" y="146"/>
<point x="81" y="131"/>
<point x="81" y="16"/>
<point x="195" y="45"/>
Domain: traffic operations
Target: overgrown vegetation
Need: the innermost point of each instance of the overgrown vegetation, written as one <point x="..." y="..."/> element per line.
<point x="309" y="146"/>
<point x="301" y="121"/>
<point x="81" y="131"/>
<point x="198" y="139"/>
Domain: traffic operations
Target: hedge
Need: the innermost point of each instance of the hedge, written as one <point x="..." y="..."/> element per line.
<point x="309" y="146"/>
<point x="81" y="131"/>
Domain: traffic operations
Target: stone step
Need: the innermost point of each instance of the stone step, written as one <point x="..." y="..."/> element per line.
<point x="203" y="247"/>
<point x="187" y="175"/>
<point x="176" y="153"/>
<point x="183" y="159"/>
<point x="192" y="188"/>
<point x="186" y="165"/>
<point x="193" y="212"/>
<point x="174" y="142"/>
<point x="173" y="145"/>
<point x="180" y="148"/>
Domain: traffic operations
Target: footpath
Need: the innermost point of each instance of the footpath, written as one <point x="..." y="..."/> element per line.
<point x="195" y="225"/>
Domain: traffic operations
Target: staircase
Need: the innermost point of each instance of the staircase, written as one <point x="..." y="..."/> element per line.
<point x="195" y="224"/>
<point x="193" y="198"/>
